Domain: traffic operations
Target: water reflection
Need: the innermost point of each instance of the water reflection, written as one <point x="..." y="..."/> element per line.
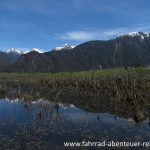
<point x="44" y="119"/>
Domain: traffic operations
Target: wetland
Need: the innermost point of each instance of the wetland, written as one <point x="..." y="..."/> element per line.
<point x="42" y="111"/>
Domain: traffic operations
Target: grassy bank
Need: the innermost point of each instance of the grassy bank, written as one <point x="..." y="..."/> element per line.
<point x="104" y="72"/>
<point x="90" y="81"/>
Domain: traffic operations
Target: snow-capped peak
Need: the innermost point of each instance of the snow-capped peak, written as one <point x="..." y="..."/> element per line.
<point x="65" y="46"/>
<point x="37" y="50"/>
<point x="34" y="49"/>
<point x="133" y="33"/>
<point x="142" y="35"/>
<point x="14" y="51"/>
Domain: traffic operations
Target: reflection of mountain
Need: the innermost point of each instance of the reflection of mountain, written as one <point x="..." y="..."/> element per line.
<point x="44" y="124"/>
<point x="68" y="99"/>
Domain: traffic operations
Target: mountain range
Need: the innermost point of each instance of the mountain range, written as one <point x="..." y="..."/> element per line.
<point x="10" y="56"/>
<point x="132" y="49"/>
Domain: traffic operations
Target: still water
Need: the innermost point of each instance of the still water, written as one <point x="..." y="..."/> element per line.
<point x="46" y="124"/>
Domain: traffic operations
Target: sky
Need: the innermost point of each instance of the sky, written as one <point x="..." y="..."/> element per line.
<point x="46" y="24"/>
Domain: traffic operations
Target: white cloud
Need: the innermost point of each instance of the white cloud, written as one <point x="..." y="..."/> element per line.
<point x="99" y="34"/>
<point x="78" y="35"/>
<point x="88" y="35"/>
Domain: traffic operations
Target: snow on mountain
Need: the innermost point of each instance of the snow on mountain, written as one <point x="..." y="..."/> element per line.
<point x="65" y="46"/>
<point x="34" y="49"/>
<point x="142" y="35"/>
<point x="20" y="52"/>
<point x="14" y="51"/>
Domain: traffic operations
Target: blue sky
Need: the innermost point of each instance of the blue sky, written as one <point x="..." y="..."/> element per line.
<point x="46" y="24"/>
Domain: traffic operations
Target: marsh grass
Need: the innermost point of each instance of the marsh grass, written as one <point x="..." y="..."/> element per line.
<point x="106" y="73"/>
<point x="130" y="84"/>
<point x="130" y="80"/>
